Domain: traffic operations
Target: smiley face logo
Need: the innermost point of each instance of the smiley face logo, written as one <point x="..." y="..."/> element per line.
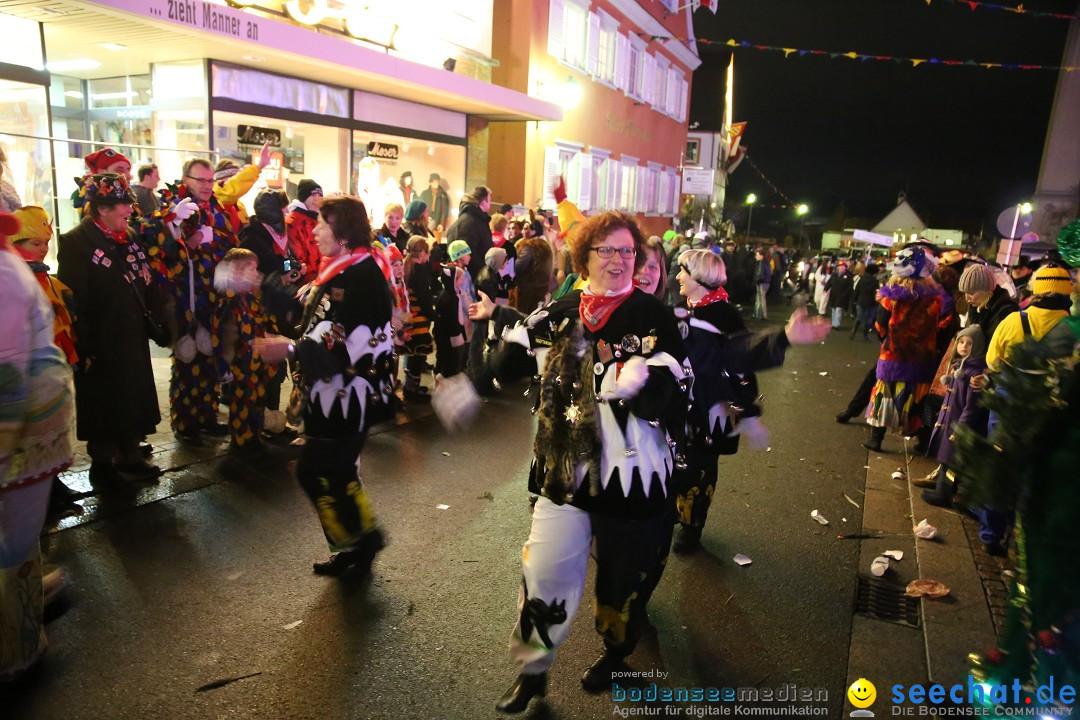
<point x="862" y="693"/>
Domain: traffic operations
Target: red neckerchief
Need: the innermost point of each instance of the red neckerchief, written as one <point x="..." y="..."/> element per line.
<point x="118" y="236"/>
<point x="332" y="267"/>
<point x="596" y="309"/>
<point x="498" y="239"/>
<point x="717" y="295"/>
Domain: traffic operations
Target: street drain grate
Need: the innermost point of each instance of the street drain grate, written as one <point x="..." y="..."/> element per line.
<point x="886" y="601"/>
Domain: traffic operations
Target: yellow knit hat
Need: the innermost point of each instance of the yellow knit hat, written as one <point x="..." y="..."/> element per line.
<point x="1051" y="279"/>
<point x="36" y="224"/>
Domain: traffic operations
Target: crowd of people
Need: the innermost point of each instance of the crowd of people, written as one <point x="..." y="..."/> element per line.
<point x="641" y="366"/>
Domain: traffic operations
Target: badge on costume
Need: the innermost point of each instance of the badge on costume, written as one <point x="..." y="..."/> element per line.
<point x="603" y="350"/>
<point x="684" y="329"/>
<point x="337" y="294"/>
<point x="96" y="259"/>
<point x="648" y="344"/>
<point x="598" y="368"/>
<point x="630" y="344"/>
<point x="130" y="259"/>
<point x="106" y="262"/>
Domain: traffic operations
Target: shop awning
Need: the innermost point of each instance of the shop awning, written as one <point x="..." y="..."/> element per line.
<point x="170" y="30"/>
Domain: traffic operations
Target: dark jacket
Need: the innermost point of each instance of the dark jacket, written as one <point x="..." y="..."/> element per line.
<point x="474" y="227"/>
<point x="400" y="239"/>
<point x="115" y="395"/>
<point x="866" y="290"/>
<point x="839" y="288"/>
<point x="997" y="309"/>
<point x="762" y="272"/>
<point x="277" y="296"/>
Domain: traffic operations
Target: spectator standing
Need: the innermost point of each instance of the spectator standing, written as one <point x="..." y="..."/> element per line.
<point x="391" y="232"/>
<point x="473" y="225"/>
<point x="762" y="280"/>
<point x="839" y="287"/>
<point x="865" y="301"/>
<point x="418" y="346"/>
<point x="300" y="224"/>
<point x="146" y="189"/>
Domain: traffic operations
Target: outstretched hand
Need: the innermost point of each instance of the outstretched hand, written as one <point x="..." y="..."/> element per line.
<point x="264" y="155"/>
<point x="483" y="309"/>
<point x="802" y="329"/>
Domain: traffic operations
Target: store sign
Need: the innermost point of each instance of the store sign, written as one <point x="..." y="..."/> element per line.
<point x="359" y="20"/>
<point x="272" y="173"/>
<point x="697" y="182"/>
<point x="381" y="151"/>
<point x="255" y="135"/>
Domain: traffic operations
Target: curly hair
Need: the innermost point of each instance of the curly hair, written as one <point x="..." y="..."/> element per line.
<point x="595" y="230"/>
<point x="348" y="220"/>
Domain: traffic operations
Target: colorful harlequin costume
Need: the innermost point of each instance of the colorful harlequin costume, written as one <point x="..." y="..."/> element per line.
<point x="37" y="225"/>
<point x="188" y="262"/>
<point x="912" y="310"/>
<point x="36" y="419"/>
<point x="345" y="356"/>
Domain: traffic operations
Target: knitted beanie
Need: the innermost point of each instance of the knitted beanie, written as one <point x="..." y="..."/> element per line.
<point x="305" y="187"/>
<point x="977" y="278"/>
<point x="458" y="249"/>
<point x="1051" y="279"/>
<point x="415" y="210"/>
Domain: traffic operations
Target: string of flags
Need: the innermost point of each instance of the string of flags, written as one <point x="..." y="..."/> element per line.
<point x="863" y="57"/>
<point x="770" y="183"/>
<point x="1018" y="9"/>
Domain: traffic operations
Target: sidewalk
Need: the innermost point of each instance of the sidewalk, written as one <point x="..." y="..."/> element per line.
<point x="965" y="621"/>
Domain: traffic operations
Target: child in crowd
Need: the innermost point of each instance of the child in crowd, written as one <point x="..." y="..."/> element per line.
<point x="418" y="282"/>
<point x="238" y="319"/>
<point x="961" y="406"/>
<point x="453" y="329"/>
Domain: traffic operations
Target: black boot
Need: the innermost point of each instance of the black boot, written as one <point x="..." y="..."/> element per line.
<point x="688" y="541"/>
<point x="877" y="434"/>
<point x="600" y="674"/>
<point x="942" y="494"/>
<point x="356" y="561"/>
<point x="524" y="689"/>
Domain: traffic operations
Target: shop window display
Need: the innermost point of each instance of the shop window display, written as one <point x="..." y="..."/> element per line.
<point x="394" y="169"/>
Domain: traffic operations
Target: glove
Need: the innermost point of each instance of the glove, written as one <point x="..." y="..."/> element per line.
<point x="205" y="234"/>
<point x="755" y="432"/>
<point x="632" y="378"/>
<point x="184" y="209"/>
<point x="560" y="190"/>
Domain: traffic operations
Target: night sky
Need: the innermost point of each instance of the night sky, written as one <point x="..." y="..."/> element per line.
<point x="962" y="142"/>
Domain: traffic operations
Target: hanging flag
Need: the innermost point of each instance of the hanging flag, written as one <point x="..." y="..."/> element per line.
<point x="735" y="133"/>
<point x="735" y="159"/>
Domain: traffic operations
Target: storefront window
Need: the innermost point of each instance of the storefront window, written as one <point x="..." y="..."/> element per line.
<point x="298" y="151"/>
<point x="22" y="42"/>
<point x="383" y="167"/>
<point x="23" y="118"/>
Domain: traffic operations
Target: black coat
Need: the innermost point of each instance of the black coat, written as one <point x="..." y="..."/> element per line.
<point x="400" y="239"/>
<point x="115" y="395"/>
<point x="474" y="227"/>
<point x="839" y="288"/>
<point x="866" y="290"/>
<point x="997" y="309"/>
<point x="278" y="297"/>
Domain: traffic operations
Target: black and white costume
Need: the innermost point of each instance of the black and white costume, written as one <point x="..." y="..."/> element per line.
<point x="602" y="466"/>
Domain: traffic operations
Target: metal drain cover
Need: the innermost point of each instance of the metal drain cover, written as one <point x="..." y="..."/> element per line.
<point x="885" y="600"/>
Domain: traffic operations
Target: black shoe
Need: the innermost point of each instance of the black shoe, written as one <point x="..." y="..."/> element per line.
<point x="688" y="541"/>
<point x="191" y="438"/>
<point x="141" y="470"/>
<point x="62" y="501"/>
<point x="215" y="429"/>
<point x="146" y="449"/>
<point x="600" y="674"/>
<point x="995" y="549"/>
<point x="843" y="417"/>
<point x="102" y="474"/>
<point x="419" y="395"/>
<point x="524" y="689"/>
<point x="353" y="561"/>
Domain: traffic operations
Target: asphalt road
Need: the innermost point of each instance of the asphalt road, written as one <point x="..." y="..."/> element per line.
<point x="215" y="582"/>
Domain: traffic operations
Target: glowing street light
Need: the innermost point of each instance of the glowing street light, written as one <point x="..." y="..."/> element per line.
<point x="750" y="200"/>
<point x="802" y="209"/>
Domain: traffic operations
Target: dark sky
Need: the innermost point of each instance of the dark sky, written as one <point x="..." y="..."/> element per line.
<point x="962" y="142"/>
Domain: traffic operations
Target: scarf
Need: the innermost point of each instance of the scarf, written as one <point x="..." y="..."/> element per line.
<point x="118" y="236"/>
<point x="332" y="267"/>
<point x="596" y="309"/>
<point x="716" y="295"/>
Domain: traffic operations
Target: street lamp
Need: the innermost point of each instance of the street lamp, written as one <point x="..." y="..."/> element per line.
<point x="801" y="209"/>
<point x="750" y="200"/>
<point x="1021" y="209"/>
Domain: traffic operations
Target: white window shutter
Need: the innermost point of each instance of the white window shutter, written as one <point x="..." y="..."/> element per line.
<point x="592" y="52"/>
<point x="614" y="184"/>
<point x="672" y="99"/>
<point x="584" y="184"/>
<point x="551" y="172"/>
<point x="684" y="88"/>
<point x="661" y="206"/>
<point x="622" y="61"/>
<point x="648" y="91"/>
<point x="675" y="193"/>
<point x="642" y="190"/>
<point x="555" y="28"/>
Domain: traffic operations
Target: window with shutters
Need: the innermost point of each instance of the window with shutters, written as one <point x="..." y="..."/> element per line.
<point x="673" y="192"/>
<point x="660" y="83"/>
<point x="635" y="83"/>
<point x="575" y="35"/>
<point x="600" y="162"/>
<point x="651" y="189"/>
<point x="605" y="54"/>
<point x="628" y="188"/>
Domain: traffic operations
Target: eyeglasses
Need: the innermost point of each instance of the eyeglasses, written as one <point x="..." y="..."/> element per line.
<point x="204" y="181"/>
<point x="606" y="251"/>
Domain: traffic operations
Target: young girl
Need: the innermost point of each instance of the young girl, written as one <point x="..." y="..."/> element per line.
<point x="417" y="271"/>
<point x="961" y="406"/>
<point x="452" y="327"/>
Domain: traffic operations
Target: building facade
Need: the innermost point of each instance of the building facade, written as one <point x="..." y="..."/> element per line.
<point x="357" y="96"/>
<point x="621" y="71"/>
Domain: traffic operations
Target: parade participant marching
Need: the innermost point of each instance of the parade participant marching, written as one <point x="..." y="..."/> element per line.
<point x="612" y="367"/>
<point x="345" y="356"/>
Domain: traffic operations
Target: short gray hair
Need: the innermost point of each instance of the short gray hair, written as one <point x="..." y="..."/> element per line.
<point x="705" y="267"/>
